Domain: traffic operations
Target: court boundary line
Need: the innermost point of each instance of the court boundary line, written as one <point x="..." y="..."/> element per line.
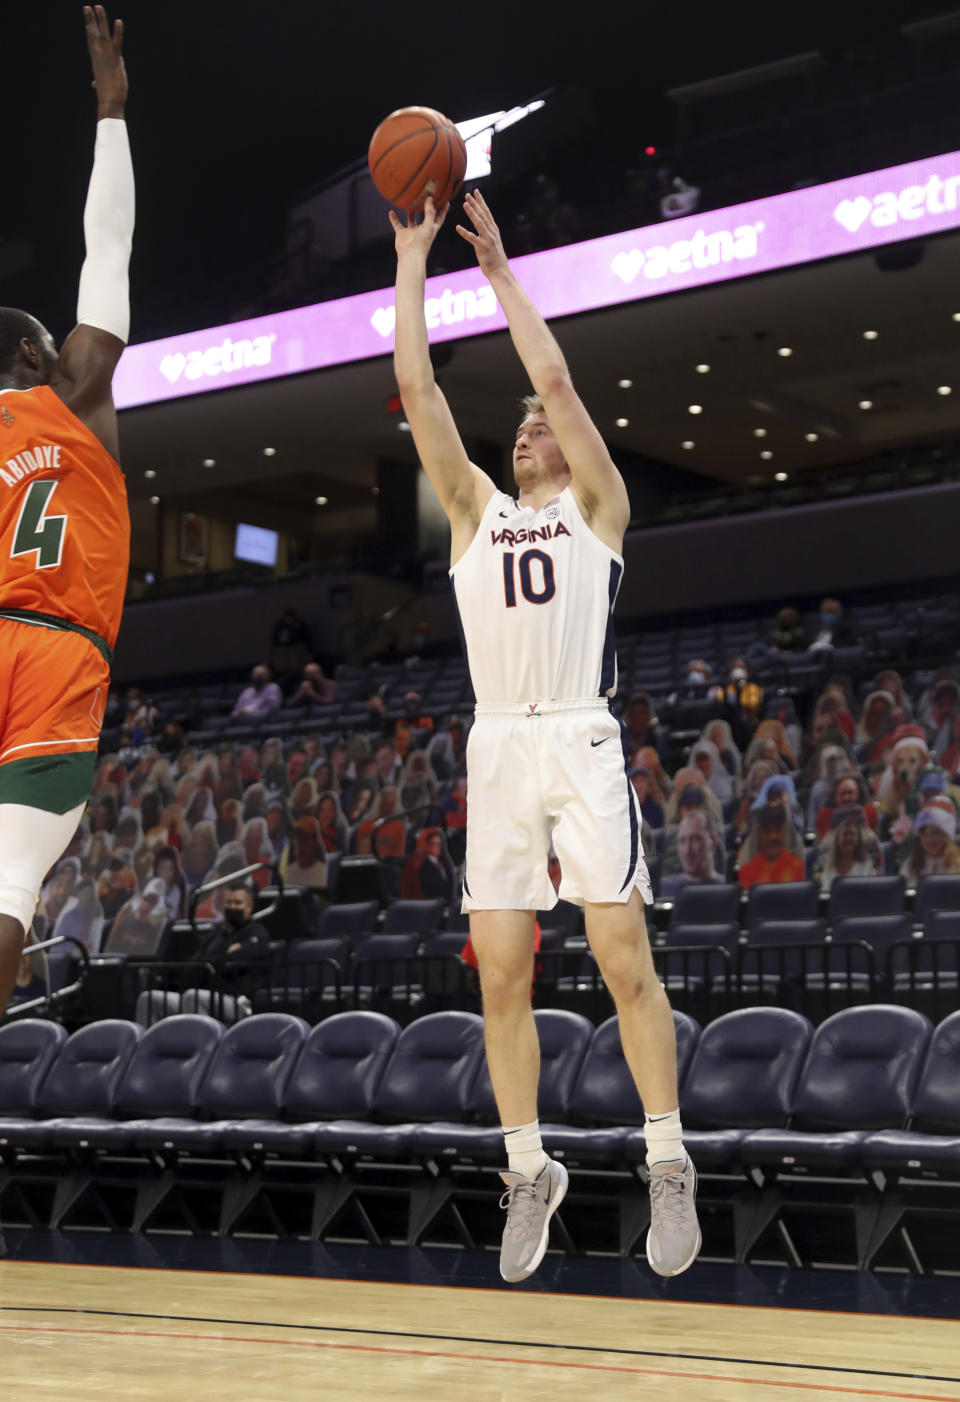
<point x="471" y="1339"/>
<point x="485" y="1289"/>
<point x="479" y="1358"/>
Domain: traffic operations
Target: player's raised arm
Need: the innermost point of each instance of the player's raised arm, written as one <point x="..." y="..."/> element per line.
<point x="462" y="488"/>
<point x="596" y="481"/>
<point x="90" y="353"/>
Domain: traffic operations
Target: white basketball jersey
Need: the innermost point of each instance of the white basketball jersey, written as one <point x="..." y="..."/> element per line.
<point x="535" y="591"/>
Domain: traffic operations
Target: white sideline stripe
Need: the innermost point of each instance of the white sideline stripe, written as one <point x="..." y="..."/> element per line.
<point x="38" y="744"/>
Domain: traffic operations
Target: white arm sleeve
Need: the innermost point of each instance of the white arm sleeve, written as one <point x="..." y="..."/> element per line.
<point x="104" y="299"/>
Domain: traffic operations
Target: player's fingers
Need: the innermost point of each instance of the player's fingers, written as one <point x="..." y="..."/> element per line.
<point x="118" y="37"/>
<point x="395" y="222"/>
<point x="467" y="234"/>
<point x="441" y="215"/>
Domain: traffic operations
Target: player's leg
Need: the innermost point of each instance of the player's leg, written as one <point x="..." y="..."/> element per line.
<point x="31" y="840"/>
<point x="503" y="941"/>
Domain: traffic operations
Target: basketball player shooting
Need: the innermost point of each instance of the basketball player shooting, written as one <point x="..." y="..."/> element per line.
<point x="535" y="578"/>
<point x="64" y="526"/>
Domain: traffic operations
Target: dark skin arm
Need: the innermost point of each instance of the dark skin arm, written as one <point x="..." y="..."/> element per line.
<point x="84" y="370"/>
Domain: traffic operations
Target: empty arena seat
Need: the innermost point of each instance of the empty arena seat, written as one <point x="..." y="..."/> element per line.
<point x="247" y="1078"/>
<point x="743" y="1075"/>
<point x="860" y="1075"/>
<point x="782" y="951"/>
<point x="355" y="918"/>
<point x="430" y="1077"/>
<point x="81" y="1081"/>
<point x="28" y="1049"/>
<point x="706" y="904"/>
<point x="786" y="900"/>
<point x="866" y="895"/>
<point x="931" y="1146"/>
<point x="336" y="1078"/>
<point x="163" y="1077"/>
<point x="877" y="931"/>
<point x="414" y="917"/>
<point x="936" y="893"/>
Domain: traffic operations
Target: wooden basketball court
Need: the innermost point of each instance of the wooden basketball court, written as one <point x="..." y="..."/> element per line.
<point x="74" y="1332"/>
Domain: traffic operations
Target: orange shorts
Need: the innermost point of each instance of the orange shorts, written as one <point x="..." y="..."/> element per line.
<point x="53" y="693"/>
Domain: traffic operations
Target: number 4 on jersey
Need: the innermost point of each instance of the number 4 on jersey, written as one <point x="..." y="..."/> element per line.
<point x="37" y="532"/>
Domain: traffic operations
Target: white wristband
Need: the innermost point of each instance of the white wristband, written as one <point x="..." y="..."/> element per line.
<point x="104" y="297"/>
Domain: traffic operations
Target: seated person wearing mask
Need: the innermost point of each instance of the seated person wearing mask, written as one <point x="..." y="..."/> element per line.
<point x="238" y="938"/>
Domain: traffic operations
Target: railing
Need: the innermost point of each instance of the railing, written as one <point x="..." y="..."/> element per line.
<point x="229" y="880"/>
<point x="54" y="996"/>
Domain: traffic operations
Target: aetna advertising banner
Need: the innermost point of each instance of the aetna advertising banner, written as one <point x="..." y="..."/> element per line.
<point x="782" y="231"/>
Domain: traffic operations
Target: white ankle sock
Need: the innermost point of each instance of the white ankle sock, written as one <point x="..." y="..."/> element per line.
<point x="524" y="1149"/>
<point x="664" y="1137"/>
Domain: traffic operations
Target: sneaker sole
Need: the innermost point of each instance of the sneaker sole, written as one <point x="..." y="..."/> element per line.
<point x="696" y="1250"/>
<point x="541" y="1250"/>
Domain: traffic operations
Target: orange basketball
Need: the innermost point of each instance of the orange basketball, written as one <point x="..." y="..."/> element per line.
<point x="417" y="152"/>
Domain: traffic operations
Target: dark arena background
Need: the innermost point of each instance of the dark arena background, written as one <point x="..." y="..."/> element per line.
<point x="270" y="1169"/>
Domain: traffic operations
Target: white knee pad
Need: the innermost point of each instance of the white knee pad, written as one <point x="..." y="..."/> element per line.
<point x="31" y="840"/>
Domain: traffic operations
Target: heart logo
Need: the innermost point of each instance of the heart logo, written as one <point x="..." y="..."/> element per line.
<point x="383" y="321"/>
<point x="627" y="265"/>
<point x="852" y="213"/>
<point x="172" y="366"/>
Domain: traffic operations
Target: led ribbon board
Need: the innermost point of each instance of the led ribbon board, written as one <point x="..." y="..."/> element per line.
<point x="781" y="231"/>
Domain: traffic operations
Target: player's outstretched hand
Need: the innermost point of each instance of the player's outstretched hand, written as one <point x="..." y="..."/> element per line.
<point x="487" y="243"/>
<point x="106" y="59"/>
<point x="418" y="235"/>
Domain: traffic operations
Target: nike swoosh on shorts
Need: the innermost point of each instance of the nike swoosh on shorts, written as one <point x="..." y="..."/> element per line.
<point x="595" y="743"/>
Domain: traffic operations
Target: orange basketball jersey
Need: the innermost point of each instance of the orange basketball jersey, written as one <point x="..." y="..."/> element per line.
<point x="64" y="522"/>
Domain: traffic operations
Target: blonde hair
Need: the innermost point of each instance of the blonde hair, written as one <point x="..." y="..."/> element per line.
<point x="531" y="404"/>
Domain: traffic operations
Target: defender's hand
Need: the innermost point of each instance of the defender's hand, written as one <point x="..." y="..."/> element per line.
<point x="106" y="59"/>
<point x="414" y="237"/>
<point x="486" y="242"/>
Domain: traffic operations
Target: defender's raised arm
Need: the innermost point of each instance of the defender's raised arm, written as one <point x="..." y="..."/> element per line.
<point x="596" y="481"/>
<point x="90" y="353"/>
<point x="462" y="488"/>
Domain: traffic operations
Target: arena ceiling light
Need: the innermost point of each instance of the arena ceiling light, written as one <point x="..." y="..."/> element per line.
<point x="811" y="437"/>
<point x="702" y="368"/>
<point x="956" y="316"/>
<point x="154" y="501"/>
<point x="625" y="384"/>
<point x="870" y="335"/>
<point x="403" y="426"/>
<point x="688" y="443"/>
<point x="321" y="501"/>
<point x="779" y="477"/>
<point x="766" y="455"/>
<point x="785" y="351"/>
<point x="209" y="462"/>
<point x="694" y="408"/>
<point x="150" y="473"/>
<point x="865" y="404"/>
<point x="269" y="452"/>
<point x="759" y="433"/>
<point x="944" y="389"/>
<point x="622" y="423"/>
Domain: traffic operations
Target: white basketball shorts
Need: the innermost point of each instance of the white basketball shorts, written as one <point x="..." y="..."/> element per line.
<point x="550" y="771"/>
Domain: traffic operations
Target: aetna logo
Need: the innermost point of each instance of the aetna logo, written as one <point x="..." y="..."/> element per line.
<point x="938" y="196"/>
<point x="218" y="360"/>
<point x="449" y="309"/>
<point x="702" y="250"/>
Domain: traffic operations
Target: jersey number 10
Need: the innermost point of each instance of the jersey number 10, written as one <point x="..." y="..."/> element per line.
<point x="548" y="584"/>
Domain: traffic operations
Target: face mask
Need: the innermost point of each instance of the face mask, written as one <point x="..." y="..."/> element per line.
<point x="738" y="674"/>
<point x="234" y="917"/>
<point x="696" y="676"/>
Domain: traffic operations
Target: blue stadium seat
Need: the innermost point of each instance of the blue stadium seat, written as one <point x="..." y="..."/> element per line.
<point x="163" y="1077"/>
<point x="351" y="920"/>
<point x="336" y="1078"/>
<point x="743" y="1075"/>
<point x="936" y="893"/>
<point x="866" y="895"/>
<point x="247" y="1079"/>
<point x="413" y="917"/>
<point x="707" y="904"/>
<point x="564" y="1038"/>
<point x="430" y="1077"/>
<point x="931" y="1146"/>
<point x="786" y="900"/>
<point x="28" y="1049"/>
<point x="860" y="1075"/>
<point x="81" y="1081"/>
<point x="778" y="961"/>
